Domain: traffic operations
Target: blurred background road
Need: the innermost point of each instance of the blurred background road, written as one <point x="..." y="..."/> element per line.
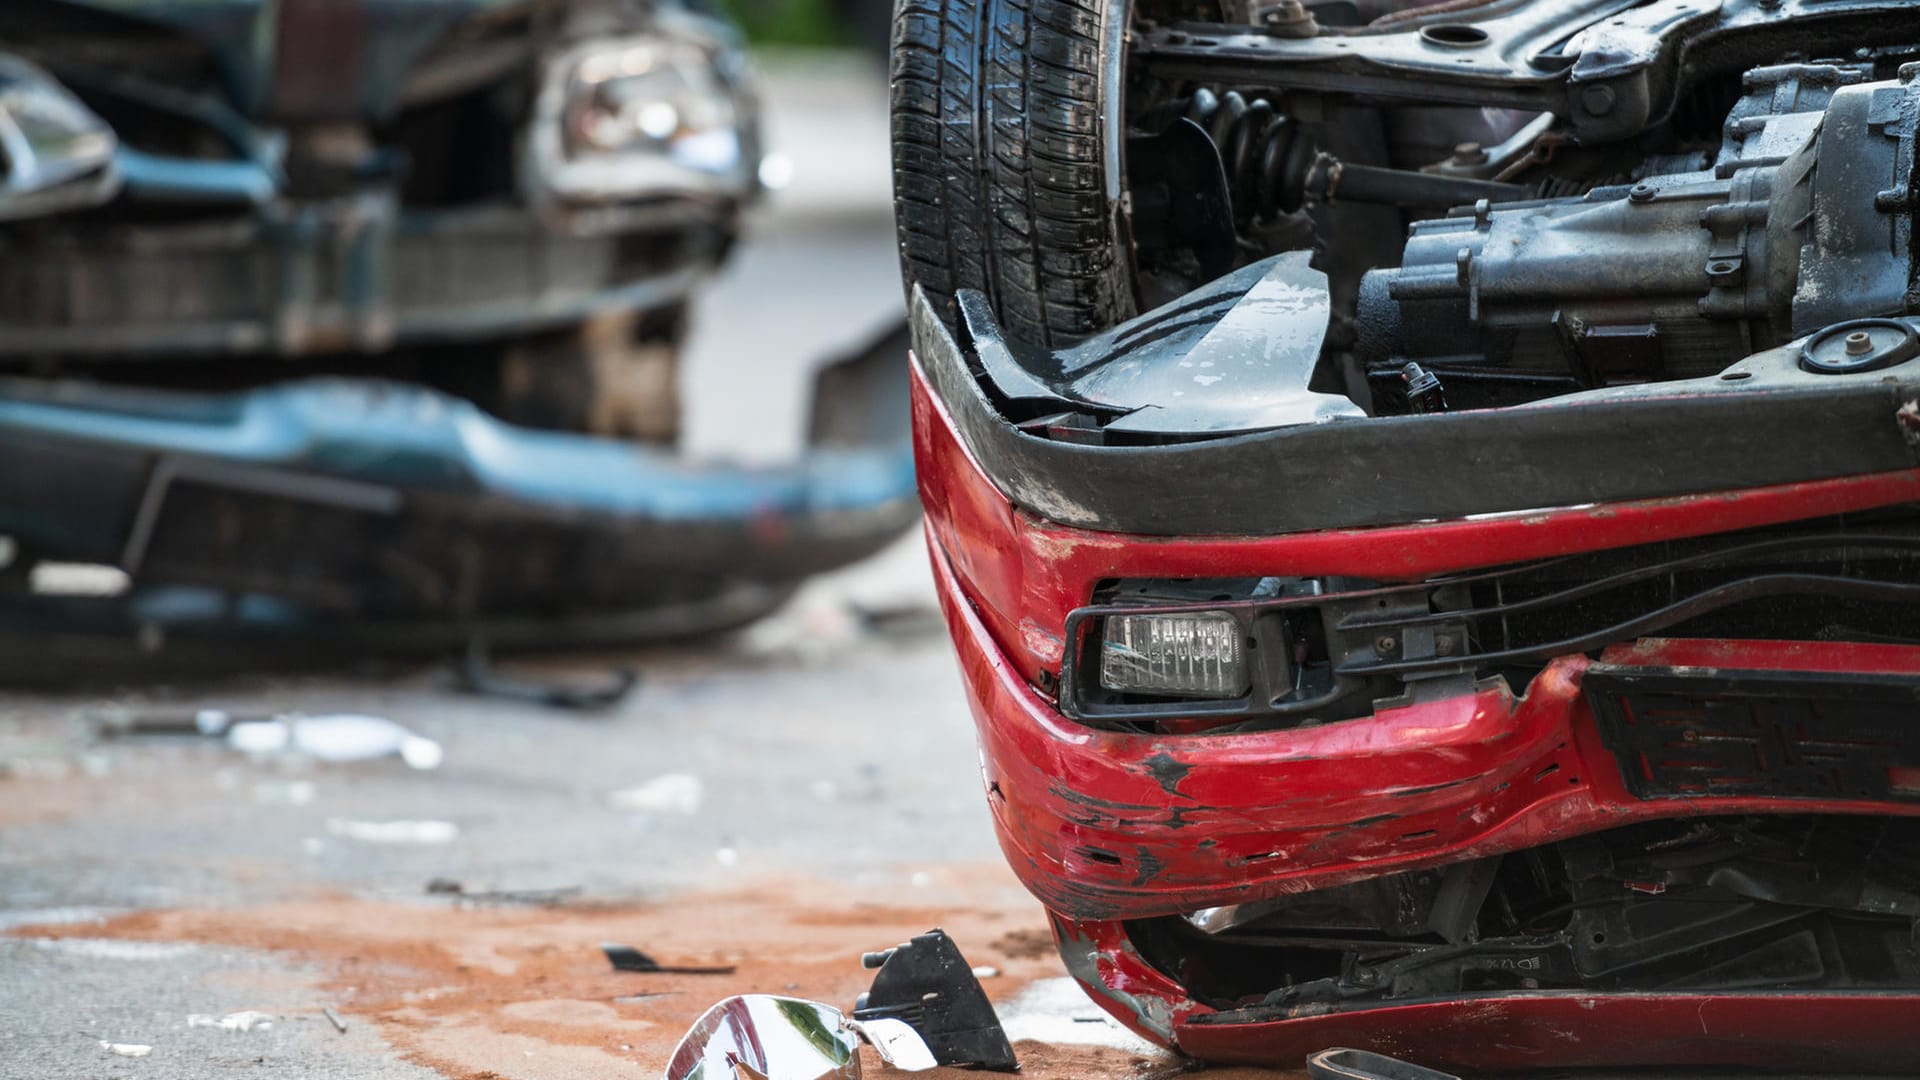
<point x="781" y="799"/>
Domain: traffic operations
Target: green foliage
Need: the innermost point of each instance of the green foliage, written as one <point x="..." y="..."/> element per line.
<point x="788" y="22"/>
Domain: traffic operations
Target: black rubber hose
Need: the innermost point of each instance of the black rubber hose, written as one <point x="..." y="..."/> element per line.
<point x="1332" y="180"/>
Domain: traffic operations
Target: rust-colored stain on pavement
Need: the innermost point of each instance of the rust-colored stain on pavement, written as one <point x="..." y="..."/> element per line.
<point x="477" y="992"/>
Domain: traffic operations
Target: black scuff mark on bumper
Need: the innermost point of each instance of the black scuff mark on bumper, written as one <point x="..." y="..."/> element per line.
<point x="1168" y="771"/>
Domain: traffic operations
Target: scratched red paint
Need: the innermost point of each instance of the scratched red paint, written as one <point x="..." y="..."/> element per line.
<point x="1104" y="826"/>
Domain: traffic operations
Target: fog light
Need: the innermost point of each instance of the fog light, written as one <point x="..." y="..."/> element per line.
<point x="1193" y="654"/>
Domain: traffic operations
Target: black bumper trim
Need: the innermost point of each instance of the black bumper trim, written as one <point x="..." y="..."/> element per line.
<point x="1400" y="470"/>
<point x="1694" y="734"/>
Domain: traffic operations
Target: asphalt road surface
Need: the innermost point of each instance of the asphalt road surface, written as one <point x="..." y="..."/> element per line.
<point x="780" y="801"/>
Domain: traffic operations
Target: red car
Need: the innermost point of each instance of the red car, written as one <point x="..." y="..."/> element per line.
<point x="1473" y="613"/>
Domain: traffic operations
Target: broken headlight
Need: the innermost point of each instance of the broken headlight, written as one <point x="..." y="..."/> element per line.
<point x="1181" y="654"/>
<point x="55" y="154"/>
<point x="1194" y="649"/>
<point x="1195" y="654"/>
<point x="642" y="117"/>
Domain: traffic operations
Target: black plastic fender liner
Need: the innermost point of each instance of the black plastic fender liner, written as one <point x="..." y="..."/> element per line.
<point x="1658" y="441"/>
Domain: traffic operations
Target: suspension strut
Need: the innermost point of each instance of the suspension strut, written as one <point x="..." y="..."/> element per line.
<point x="1272" y="166"/>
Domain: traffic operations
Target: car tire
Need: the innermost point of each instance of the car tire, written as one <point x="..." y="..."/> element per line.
<point x="1007" y="132"/>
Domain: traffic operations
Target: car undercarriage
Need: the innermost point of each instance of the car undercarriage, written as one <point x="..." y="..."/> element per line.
<point x="1424" y="499"/>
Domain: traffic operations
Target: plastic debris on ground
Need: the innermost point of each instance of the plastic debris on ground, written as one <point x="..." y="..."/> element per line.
<point x="394" y="832"/>
<point x="925" y="1009"/>
<point x="928" y="986"/>
<point x="126" y="1049"/>
<point x="523" y="897"/>
<point x="335" y="738"/>
<point x="246" y="1020"/>
<point x="628" y="958"/>
<point x="674" y="793"/>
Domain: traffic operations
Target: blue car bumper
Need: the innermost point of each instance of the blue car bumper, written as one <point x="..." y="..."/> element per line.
<point x="382" y="513"/>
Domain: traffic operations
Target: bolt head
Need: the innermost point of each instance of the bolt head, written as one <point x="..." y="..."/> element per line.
<point x="1598" y="100"/>
<point x="1385" y="643"/>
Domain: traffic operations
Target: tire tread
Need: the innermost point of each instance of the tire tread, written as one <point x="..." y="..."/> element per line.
<point x="998" y="165"/>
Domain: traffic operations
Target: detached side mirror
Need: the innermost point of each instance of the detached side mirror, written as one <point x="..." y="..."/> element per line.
<point x="764" y="1037"/>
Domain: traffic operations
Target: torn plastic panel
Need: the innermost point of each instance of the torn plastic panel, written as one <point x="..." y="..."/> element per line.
<point x="927" y="985"/>
<point x="1235" y="355"/>
<point x="360" y="516"/>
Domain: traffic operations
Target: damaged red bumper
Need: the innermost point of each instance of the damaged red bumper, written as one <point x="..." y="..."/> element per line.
<point x="1105" y="824"/>
<point x="1825" y="1033"/>
<point x="1109" y="824"/>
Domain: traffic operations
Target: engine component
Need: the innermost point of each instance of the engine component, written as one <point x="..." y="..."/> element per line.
<point x="1608" y="68"/>
<point x="1860" y="345"/>
<point x="1804" y="220"/>
<point x="1273" y="167"/>
<point x="1424" y="392"/>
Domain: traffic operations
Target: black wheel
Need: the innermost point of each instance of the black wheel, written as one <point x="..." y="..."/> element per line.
<point x="1007" y="170"/>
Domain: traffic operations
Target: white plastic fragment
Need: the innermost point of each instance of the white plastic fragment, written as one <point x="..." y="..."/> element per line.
<point x="394" y="832"/>
<point x="245" y="1020"/>
<point x="126" y="1049"/>
<point x="674" y="793"/>
<point x="900" y="1046"/>
<point x="985" y="971"/>
<point x="336" y="739"/>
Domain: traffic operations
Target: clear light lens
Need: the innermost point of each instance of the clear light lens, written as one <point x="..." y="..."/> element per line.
<point x="652" y="116"/>
<point x="653" y="97"/>
<point x="1197" y="654"/>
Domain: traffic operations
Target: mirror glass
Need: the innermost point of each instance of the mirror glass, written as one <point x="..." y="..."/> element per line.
<point x="763" y="1037"/>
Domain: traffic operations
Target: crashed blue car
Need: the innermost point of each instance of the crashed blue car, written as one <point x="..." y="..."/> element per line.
<point x="359" y="320"/>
